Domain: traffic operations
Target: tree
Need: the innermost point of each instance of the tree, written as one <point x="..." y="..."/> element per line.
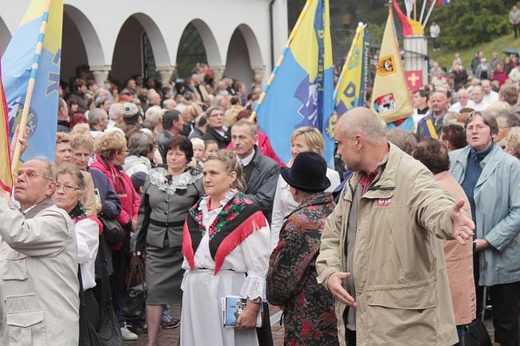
<point x="466" y="23"/>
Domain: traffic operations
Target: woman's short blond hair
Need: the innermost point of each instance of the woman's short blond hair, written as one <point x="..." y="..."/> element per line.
<point x="312" y="137"/>
<point x="109" y="144"/>
<point x="82" y="140"/>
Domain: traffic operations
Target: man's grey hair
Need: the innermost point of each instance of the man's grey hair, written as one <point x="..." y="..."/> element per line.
<point x="95" y="115"/>
<point x="115" y="111"/>
<point x="247" y="123"/>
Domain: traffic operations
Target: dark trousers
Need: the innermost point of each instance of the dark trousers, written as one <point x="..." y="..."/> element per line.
<point x="515" y="29"/>
<point x="350" y="337"/>
<point x="505" y="299"/>
<point x="117" y="283"/>
<point x="264" y="334"/>
<point x="436" y="44"/>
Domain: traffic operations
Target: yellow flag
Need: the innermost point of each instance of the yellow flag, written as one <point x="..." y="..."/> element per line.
<point x="391" y="99"/>
<point x="6" y="179"/>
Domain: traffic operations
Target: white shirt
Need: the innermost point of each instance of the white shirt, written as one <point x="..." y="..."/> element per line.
<point x="284" y="203"/>
<point x="491" y="98"/>
<point x="87" y="233"/>
<point x="456" y="107"/>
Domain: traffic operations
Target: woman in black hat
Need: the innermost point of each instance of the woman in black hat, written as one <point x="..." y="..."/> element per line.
<point x="308" y="308"/>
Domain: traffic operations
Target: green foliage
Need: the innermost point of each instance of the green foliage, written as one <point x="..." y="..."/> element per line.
<point x="466" y="23"/>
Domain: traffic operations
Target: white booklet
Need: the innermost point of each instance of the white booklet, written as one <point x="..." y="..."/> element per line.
<point x="232" y="306"/>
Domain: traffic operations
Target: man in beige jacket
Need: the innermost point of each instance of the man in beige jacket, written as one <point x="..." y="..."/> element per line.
<point x="38" y="261"/>
<point x="379" y="253"/>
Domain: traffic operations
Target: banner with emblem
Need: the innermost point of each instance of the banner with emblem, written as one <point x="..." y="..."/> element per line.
<point x="300" y="89"/>
<point x="391" y="99"/>
<point x="31" y="76"/>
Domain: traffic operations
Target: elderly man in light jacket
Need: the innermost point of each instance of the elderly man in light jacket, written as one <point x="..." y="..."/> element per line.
<point x="39" y="286"/>
<point x="380" y="255"/>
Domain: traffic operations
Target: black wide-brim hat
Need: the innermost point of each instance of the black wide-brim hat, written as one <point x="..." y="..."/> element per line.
<point x="308" y="173"/>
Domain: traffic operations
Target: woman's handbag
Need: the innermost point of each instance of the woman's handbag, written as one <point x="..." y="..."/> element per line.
<point x="135" y="271"/>
<point x="112" y="230"/>
<point x="475" y="334"/>
<point x="134" y="301"/>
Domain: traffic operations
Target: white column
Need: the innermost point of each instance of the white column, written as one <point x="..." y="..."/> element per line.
<point x="218" y="72"/>
<point x="166" y="73"/>
<point x="100" y="74"/>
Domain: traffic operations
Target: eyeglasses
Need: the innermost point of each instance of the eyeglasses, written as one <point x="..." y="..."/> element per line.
<point x="66" y="188"/>
<point x="478" y="128"/>
<point x="30" y="174"/>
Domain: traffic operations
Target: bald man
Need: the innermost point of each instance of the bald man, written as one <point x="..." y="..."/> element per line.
<point x="463" y="101"/>
<point x="431" y="125"/>
<point x="380" y="256"/>
<point x="477" y="96"/>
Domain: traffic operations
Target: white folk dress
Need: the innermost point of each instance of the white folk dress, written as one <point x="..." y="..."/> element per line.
<point x="242" y="273"/>
<point x="201" y="320"/>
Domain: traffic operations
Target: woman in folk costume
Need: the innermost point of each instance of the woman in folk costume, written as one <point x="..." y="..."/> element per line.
<point x="226" y="253"/>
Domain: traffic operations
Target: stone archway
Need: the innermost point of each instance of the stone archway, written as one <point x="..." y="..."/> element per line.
<point x="244" y="55"/>
<point x="140" y="49"/>
<point x="197" y="44"/>
<point x="80" y="43"/>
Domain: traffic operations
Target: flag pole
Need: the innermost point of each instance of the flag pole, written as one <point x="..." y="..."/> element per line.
<point x="423" y="7"/>
<point x="429" y="13"/>
<point x="30" y="88"/>
<point x="360" y="27"/>
<point x="280" y="59"/>
<point x="414" y="9"/>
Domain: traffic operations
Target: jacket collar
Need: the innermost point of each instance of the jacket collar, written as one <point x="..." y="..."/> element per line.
<point x="488" y="164"/>
<point x="385" y="186"/>
<point x="314" y="199"/>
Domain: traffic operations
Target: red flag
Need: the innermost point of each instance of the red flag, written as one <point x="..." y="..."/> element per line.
<point x="410" y="27"/>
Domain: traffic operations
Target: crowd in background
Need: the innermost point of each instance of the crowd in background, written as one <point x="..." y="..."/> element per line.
<point x="197" y="189"/>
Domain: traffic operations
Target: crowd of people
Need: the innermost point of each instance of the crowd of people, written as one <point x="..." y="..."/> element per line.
<point x="352" y="255"/>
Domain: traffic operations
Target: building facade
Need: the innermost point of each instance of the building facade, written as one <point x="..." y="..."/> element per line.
<point x="121" y="38"/>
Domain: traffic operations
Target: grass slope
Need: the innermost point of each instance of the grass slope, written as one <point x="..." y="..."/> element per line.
<point x="445" y="56"/>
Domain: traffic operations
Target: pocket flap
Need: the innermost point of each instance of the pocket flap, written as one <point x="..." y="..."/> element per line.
<point x="410" y="298"/>
<point x="15" y="269"/>
<point x="24" y="319"/>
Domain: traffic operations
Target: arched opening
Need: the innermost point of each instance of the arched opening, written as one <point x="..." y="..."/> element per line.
<point x="73" y="52"/>
<point x="139" y="49"/>
<point x="191" y="51"/>
<point x="80" y="45"/>
<point x="243" y="53"/>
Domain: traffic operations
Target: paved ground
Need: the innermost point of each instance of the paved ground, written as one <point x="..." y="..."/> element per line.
<point x="170" y="337"/>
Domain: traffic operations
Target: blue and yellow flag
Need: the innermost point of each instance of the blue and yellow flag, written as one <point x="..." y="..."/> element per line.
<point x="300" y="89"/>
<point x="6" y="179"/>
<point x="350" y="90"/>
<point x="42" y="23"/>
